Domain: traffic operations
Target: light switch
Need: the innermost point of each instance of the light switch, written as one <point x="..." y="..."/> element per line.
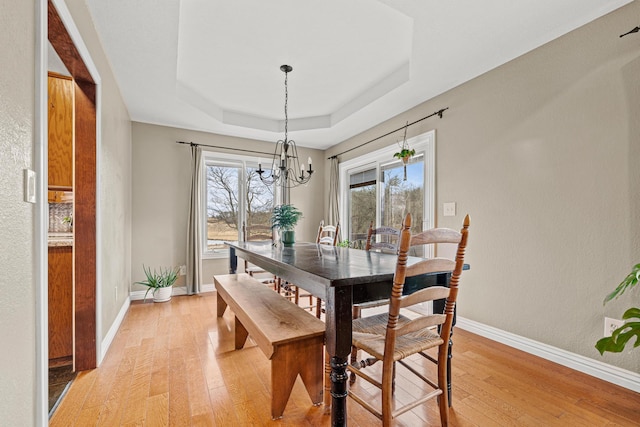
<point x="29" y="179"/>
<point x="449" y="209"/>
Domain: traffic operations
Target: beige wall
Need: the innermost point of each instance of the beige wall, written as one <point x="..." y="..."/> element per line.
<point x="18" y="387"/>
<point x="17" y="282"/>
<point x="114" y="177"/>
<point x="161" y="183"/>
<point x="543" y="154"/>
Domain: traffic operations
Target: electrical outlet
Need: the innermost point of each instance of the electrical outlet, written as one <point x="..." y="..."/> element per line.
<point x="183" y="270"/>
<point x="611" y="325"/>
<point x="449" y="209"/>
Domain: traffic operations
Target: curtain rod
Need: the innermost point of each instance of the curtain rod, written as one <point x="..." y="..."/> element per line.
<point x="437" y="113"/>
<point x="225" y="148"/>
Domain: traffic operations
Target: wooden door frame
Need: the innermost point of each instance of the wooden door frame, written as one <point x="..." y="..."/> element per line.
<point x="85" y="184"/>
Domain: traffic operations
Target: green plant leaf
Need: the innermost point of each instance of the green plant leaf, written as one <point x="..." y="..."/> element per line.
<point x="161" y="278"/>
<point x="344" y="244"/>
<point x="621" y="336"/>
<point x="629" y="282"/>
<point x="404" y="153"/>
<point x="285" y="217"/>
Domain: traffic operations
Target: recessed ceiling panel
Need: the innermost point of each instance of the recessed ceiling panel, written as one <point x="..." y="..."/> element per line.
<point x="342" y="53"/>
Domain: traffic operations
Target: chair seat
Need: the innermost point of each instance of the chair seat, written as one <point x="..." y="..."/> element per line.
<point x="376" y="324"/>
<point x="406" y="345"/>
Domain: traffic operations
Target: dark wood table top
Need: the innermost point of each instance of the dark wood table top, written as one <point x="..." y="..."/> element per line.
<point x="330" y="265"/>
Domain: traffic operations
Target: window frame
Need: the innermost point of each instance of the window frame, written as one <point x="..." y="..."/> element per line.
<point x="423" y="144"/>
<point x="214" y="158"/>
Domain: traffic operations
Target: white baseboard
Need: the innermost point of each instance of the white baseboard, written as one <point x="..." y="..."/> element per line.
<point x="604" y="371"/>
<point x="108" y="339"/>
<point x="138" y="295"/>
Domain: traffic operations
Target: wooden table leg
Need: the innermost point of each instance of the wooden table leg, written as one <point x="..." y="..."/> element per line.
<point x="438" y="307"/>
<point x="233" y="261"/>
<point x="339" y="309"/>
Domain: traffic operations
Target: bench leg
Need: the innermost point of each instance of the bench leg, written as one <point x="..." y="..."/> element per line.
<point x="221" y="306"/>
<point x="302" y="357"/>
<point x="241" y="334"/>
<point x="327" y="383"/>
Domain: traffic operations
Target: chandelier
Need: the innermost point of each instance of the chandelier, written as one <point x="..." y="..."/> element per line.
<point x="286" y="169"/>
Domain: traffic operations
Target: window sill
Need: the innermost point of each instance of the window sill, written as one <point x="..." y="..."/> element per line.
<point x="223" y="254"/>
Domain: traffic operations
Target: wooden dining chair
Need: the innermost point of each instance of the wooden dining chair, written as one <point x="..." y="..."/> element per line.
<point x="381" y="239"/>
<point x="258" y="233"/>
<point x="328" y="234"/>
<point x="391" y="337"/>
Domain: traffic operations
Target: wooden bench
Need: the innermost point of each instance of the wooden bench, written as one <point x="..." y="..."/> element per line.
<point x="289" y="336"/>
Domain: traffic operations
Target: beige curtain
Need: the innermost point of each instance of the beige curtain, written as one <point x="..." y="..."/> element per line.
<point x="194" y="240"/>
<point x="334" y="189"/>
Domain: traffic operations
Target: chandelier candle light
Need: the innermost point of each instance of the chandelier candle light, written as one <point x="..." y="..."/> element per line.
<point x="286" y="165"/>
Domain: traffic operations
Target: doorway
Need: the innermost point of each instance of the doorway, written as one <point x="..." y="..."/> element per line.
<point x="84" y="191"/>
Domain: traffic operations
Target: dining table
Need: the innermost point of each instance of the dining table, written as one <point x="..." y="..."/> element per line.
<point x="341" y="277"/>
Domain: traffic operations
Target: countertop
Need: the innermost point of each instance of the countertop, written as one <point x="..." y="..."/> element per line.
<point x="60" y="239"/>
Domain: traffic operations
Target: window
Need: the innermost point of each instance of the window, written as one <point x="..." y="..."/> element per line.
<point x="234" y="194"/>
<point x="373" y="188"/>
<point x="362" y="206"/>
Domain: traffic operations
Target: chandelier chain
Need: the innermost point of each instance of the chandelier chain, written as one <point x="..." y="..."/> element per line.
<point x="286" y="103"/>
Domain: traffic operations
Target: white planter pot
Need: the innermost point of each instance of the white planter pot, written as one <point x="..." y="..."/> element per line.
<point x="162" y="294"/>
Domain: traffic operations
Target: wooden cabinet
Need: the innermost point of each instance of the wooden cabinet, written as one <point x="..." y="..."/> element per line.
<point x="61" y="122"/>
<point x="60" y="196"/>
<point x="60" y="302"/>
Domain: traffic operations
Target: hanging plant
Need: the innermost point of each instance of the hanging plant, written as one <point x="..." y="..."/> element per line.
<point x="405" y="152"/>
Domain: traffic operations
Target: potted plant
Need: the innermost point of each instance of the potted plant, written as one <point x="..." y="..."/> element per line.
<point x="160" y="282"/>
<point x="631" y="328"/>
<point x="405" y="152"/>
<point x="285" y="218"/>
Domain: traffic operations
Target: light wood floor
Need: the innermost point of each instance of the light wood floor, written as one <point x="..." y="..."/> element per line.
<point x="174" y="364"/>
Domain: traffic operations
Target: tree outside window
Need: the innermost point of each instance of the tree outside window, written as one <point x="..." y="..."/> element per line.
<point x="234" y="194"/>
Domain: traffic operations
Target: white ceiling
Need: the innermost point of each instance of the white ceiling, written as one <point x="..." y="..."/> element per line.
<point x="214" y="65"/>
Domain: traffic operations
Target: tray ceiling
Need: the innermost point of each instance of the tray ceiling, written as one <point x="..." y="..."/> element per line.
<point x="213" y="65"/>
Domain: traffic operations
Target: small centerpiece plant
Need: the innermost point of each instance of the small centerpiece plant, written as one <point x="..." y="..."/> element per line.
<point x="284" y="218"/>
<point x="159" y="282"/>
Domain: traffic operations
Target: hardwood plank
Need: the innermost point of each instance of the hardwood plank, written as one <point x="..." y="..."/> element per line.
<point x="222" y="407"/>
<point x="160" y="371"/>
<point x="115" y="403"/>
<point x="87" y="416"/>
<point x="179" y="414"/>
<point x="158" y="410"/>
<point x="135" y="411"/>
